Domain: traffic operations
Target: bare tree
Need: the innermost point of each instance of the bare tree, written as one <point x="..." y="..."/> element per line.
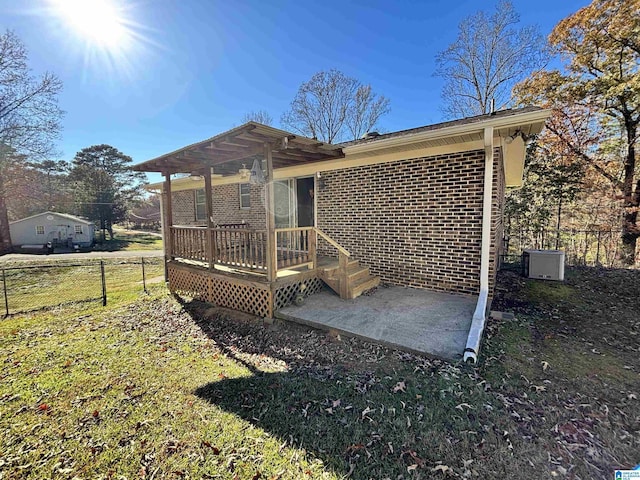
<point x="331" y="105"/>
<point x="366" y="110"/>
<point x="487" y="59"/>
<point x="259" y="116"/>
<point x="29" y="115"/>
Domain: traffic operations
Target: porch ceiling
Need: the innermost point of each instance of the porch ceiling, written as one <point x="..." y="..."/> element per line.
<point x="228" y="151"/>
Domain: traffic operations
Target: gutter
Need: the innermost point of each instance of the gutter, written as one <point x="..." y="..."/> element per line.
<point x="515" y="120"/>
<point x="478" y="320"/>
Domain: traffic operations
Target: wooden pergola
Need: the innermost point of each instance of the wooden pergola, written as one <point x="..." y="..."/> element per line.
<point x="224" y="155"/>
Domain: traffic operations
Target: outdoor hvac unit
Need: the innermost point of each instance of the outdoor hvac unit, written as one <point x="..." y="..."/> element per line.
<point x="543" y="264"/>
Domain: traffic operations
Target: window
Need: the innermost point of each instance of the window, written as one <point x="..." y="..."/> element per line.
<point x="39" y="229"/>
<point x="78" y="229"/>
<point x="245" y="195"/>
<point x="201" y="208"/>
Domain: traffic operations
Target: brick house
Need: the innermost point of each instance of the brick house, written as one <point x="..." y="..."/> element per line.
<point x="420" y="208"/>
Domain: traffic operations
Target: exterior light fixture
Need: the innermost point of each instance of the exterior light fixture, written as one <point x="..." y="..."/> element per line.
<point x="518" y="133"/>
<point x="244" y="172"/>
<point x="511" y="138"/>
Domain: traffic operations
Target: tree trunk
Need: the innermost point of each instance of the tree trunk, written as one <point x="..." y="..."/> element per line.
<point x="558" y="223"/>
<point x="5" y="234"/>
<point x="630" y="228"/>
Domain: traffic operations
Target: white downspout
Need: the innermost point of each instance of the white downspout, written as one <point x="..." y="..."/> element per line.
<point x="479" y="315"/>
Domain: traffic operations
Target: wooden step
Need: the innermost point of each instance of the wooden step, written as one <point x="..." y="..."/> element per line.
<point x="357" y="289"/>
<point x="358" y="279"/>
<point x="357" y="273"/>
<point x="334" y="268"/>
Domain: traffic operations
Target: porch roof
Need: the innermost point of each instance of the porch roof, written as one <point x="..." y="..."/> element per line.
<point x="228" y="151"/>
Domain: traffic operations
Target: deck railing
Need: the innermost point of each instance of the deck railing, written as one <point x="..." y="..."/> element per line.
<point x="189" y="243"/>
<point x="295" y="246"/>
<point x="231" y="246"/>
<point x="240" y="247"/>
<point x="246" y="248"/>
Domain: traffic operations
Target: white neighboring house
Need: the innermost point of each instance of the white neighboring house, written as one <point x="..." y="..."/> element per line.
<point x="49" y="230"/>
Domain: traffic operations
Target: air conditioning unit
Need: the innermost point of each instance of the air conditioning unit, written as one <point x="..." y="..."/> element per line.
<point x="543" y="264"/>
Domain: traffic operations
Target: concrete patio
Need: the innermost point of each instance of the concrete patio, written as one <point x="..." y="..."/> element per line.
<point x="405" y="318"/>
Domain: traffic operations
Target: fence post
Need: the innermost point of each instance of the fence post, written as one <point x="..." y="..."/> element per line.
<point x="6" y="297"/>
<point x="144" y="280"/>
<point x="104" y="285"/>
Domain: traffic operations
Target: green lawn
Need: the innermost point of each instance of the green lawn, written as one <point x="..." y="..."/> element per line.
<point x="34" y="287"/>
<point x="125" y="240"/>
<point x="151" y="388"/>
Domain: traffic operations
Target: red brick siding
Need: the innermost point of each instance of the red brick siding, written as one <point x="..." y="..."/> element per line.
<point x="415" y="222"/>
<point x="226" y="206"/>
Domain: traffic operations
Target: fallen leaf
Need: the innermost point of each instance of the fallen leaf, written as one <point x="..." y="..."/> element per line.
<point x="441" y="468"/>
<point x="214" y="449"/>
<point x="545" y="365"/>
<point x="400" y="387"/>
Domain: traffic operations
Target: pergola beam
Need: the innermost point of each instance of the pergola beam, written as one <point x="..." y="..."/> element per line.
<point x="241" y="144"/>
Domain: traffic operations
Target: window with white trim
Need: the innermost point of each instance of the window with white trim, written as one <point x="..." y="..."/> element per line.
<point x="78" y="229"/>
<point x="245" y="195"/>
<point x="201" y="207"/>
<point x="39" y="229"/>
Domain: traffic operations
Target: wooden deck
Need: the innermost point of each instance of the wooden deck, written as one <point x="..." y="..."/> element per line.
<point x="241" y="290"/>
<point x="235" y="267"/>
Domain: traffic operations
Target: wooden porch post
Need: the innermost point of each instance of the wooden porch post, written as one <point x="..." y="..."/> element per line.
<point x="167" y="218"/>
<point x="313" y="244"/>
<point x="272" y="258"/>
<point x="210" y="243"/>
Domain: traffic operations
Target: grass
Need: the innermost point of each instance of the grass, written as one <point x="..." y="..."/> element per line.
<point x="152" y="388"/>
<point x="34" y="287"/>
<point x="126" y="240"/>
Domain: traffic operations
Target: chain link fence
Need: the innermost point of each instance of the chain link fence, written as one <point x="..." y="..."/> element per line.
<point x="26" y="288"/>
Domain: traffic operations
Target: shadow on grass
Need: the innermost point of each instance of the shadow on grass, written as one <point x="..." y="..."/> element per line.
<point x="122" y="241"/>
<point x="355" y="420"/>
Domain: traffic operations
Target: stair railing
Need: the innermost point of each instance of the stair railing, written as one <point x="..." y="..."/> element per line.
<point x="343" y="261"/>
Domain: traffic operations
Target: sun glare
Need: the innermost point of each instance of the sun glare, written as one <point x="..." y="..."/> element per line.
<point x="96" y="21"/>
<point x="103" y="32"/>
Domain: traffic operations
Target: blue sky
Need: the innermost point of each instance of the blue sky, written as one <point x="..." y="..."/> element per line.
<point x="199" y="66"/>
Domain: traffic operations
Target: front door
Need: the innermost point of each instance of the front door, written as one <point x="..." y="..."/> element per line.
<point x="61" y="235"/>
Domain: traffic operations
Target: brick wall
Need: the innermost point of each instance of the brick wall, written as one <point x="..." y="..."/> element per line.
<point x="183" y="207"/>
<point x="226" y="206"/>
<point x="415" y="222"/>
